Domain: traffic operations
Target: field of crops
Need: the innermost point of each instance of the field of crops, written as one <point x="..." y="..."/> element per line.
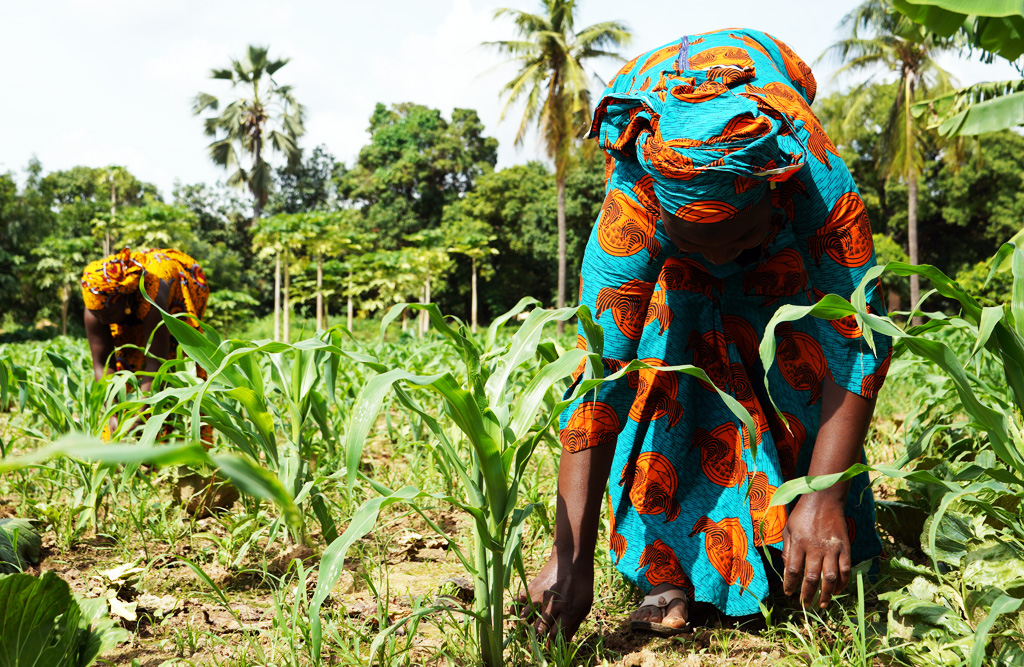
<point x="396" y="492"/>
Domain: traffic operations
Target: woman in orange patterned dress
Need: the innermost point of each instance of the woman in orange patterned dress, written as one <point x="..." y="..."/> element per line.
<point x="725" y="200"/>
<point x="120" y="322"/>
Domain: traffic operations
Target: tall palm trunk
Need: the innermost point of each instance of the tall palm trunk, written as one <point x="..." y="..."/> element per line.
<point x="113" y="213"/>
<point x="349" y="304"/>
<point x="287" y="305"/>
<point x="65" y="297"/>
<point x="915" y="283"/>
<point x="560" y="180"/>
<point x="319" y="291"/>
<point x="277" y="297"/>
<point x="257" y="148"/>
<point x="424" y="317"/>
<point x="911" y="174"/>
<point x="473" y="304"/>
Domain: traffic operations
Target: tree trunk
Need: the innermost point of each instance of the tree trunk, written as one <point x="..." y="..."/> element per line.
<point x="911" y="175"/>
<point x="113" y="214"/>
<point x="319" y="291"/>
<point x="65" y="297"/>
<point x="258" y="197"/>
<point x="424" y="317"/>
<point x="915" y="281"/>
<point x="349" y="304"/>
<point x="277" y="297"/>
<point x="287" y="305"/>
<point x="894" y="300"/>
<point x="472" y="308"/>
<point x="561" y="248"/>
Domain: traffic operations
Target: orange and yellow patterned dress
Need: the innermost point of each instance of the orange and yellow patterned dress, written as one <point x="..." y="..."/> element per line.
<point x="120" y="275"/>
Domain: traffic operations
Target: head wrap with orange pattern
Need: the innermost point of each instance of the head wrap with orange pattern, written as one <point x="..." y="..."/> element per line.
<point x="710" y="151"/>
<point x="107" y="278"/>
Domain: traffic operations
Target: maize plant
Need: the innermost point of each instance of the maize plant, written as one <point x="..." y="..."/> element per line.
<point x="965" y="608"/>
<point x="268" y="401"/>
<point x="503" y="402"/>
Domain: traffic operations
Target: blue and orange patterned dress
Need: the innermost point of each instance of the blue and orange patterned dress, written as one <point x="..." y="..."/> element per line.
<point x="678" y="492"/>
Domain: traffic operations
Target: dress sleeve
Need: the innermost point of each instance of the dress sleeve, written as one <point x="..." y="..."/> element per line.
<point x="623" y="257"/>
<point x="833" y="235"/>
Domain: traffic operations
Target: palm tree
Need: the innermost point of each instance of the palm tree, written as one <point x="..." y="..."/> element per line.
<point x="265" y="114"/>
<point x="553" y="83"/>
<point x="880" y="41"/>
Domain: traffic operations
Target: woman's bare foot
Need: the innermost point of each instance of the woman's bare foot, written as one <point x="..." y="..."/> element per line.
<point x="674" y="615"/>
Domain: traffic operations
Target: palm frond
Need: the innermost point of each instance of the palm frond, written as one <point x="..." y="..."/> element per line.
<point x="223" y="153"/>
<point x="531" y="113"/>
<point x="603" y="35"/>
<point x="275" y="65"/>
<point x="204" y="101"/>
<point x="513" y="47"/>
<point x="525" y="22"/>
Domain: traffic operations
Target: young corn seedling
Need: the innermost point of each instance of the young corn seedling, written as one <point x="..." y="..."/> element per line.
<point x="502" y="402"/>
<point x="982" y="559"/>
<point x="253" y="394"/>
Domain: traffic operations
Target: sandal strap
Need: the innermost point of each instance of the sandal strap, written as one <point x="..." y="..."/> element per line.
<point x="662" y="600"/>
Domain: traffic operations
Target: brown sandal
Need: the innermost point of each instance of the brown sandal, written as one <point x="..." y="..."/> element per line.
<point x="661" y="601"/>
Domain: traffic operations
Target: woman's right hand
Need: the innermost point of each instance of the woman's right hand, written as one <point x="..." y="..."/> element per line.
<point x="560" y="596"/>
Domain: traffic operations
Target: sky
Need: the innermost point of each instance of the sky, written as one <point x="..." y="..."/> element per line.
<point x="98" y="82"/>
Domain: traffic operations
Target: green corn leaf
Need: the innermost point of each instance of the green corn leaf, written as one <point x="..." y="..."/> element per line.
<point x="256" y="408"/>
<point x="585" y="386"/>
<point x="522" y="348"/>
<point x="4" y="386"/>
<point x="364" y="415"/>
<point x="1004" y="604"/>
<point x="994" y="422"/>
<point x="246" y="475"/>
<point x="990" y="317"/>
<point x="333" y="560"/>
<point x="1017" y="295"/>
<point x="436" y="319"/>
<point x="91" y="449"/>
<point x="258" y="482"/>
<point x="492" y="331"/>
<point x="790" y="490"/>
<point x="532" y="398"/>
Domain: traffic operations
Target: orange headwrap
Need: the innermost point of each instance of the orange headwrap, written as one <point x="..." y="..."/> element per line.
<point x="105" y="279"/>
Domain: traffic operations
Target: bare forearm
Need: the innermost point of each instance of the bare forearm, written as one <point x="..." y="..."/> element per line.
<point x="845" y="418"/>
<point x="101" y="346"/>
<point x="582" y="478"/>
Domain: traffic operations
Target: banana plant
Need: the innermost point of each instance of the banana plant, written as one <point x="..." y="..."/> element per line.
<point x="502" y="401"/>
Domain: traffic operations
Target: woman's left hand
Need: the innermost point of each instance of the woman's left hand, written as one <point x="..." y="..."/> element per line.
<point x="816" y="548"/>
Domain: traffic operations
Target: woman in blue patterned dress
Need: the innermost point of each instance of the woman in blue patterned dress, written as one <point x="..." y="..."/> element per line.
<point x="725" y="200"/>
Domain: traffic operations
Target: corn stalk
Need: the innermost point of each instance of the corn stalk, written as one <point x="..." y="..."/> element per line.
<point x="503" y="401"/>
<point x="990" y="482"/>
